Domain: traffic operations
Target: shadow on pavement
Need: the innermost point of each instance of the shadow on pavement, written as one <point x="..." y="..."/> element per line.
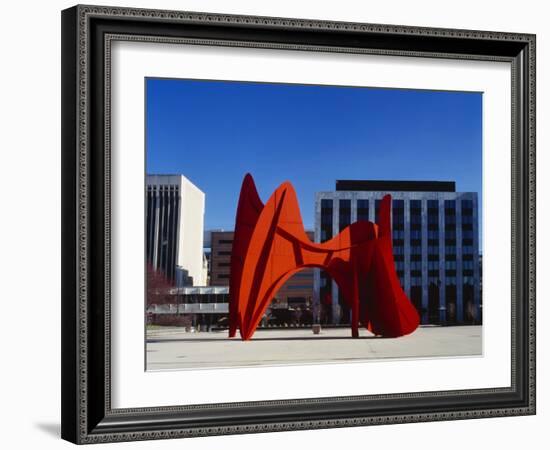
<point x="294" y="338"/>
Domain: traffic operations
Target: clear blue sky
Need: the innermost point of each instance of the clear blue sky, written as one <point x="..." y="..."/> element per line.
<point x="214" y="132"/>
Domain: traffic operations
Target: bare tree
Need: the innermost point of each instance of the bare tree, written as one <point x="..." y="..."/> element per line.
<point x="158" y="287"/>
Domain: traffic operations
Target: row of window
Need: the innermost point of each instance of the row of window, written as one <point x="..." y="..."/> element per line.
<point x="163" y="187"/>
<point x="434" y="264"/>
<point x="432" y="234"/>
<point x="416" y="281"/>
<point x="398" y="223"/>
<point x="399" y="205"/>
<point x="398" y="234"/>
<point x="416" y="234"/>
<point x="297" y="287"/>
<point x="467" y="250"/>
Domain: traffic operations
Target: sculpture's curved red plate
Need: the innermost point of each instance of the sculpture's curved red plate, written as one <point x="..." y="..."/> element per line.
<point x="270" y="245"/>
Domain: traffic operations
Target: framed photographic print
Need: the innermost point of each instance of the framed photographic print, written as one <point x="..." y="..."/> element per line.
<point x="282" y="224"/>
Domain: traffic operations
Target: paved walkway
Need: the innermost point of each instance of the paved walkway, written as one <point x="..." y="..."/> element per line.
<point x="172" y="348"/>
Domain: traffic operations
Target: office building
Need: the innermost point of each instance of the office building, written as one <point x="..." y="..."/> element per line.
<point x="221" y="243"/>
<point x="435" y="245"/>
<point x="174" y="228"/>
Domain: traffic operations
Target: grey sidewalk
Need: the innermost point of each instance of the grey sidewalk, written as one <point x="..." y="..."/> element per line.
<point x="176" y="349"/>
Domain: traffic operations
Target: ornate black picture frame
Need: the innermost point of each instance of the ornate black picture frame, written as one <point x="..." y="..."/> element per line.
<point x="87" y="415"/>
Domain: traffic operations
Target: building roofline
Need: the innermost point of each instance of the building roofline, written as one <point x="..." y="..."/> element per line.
<point x="396" y="185"/>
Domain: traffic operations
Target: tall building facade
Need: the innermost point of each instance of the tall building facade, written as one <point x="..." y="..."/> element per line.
<point x="435" y="245"/>
<point x="174" y="228"/>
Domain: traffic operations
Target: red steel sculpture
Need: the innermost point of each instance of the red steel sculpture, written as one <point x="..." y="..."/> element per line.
<point x="270" y="245"/>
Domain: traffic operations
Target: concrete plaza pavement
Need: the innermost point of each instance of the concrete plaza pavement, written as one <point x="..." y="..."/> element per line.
<point x="173" y="348"/>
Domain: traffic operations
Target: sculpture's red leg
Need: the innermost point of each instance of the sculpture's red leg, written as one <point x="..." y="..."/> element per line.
<point x="232" y="325"/>
<point x="355" y="318"/>
<point x="355" y="302"/>
<point x="249" y="209"/>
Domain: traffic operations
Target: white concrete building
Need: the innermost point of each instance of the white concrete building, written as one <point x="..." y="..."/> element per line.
<point x="174" y="227"/>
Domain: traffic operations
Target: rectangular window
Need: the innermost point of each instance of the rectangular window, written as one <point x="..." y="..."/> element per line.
<point x="450" y="281"/>
<point x="450" y="220"/>
<point x="303" y="274"/>
<point x="450" y="265"/>
<point x="467" y="234"/>
<point x="326" y="211"/>
<point x="398" y="234"/>
<point x="398" y="220"/>
<point x="467" y="205"/>
<point x="433" y="250"/>
<point x="362" y="210"/>
<point x="297" y="287"/>
<point x="416" y="250"/>
<point x="398" y="214"/>
<point x="450" y="235"/>
<point x="398" y="204"/>
<point x="326" y="219"/>
<point x="416" y="235"/>
<point x="450" y="207"/>
<point x="344" y="213"/>
<point x="433" y="235"/>
<point x="345" y="204"/>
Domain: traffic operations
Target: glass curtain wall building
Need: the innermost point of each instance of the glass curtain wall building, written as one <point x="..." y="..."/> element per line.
<point x="435" y="246"/>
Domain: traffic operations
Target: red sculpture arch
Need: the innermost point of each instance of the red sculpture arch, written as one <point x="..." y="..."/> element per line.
<point x="270" y="245"/>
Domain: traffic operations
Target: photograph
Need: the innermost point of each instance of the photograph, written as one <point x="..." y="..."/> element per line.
<point x="292" y="224"/>
<point x="279" y="222"/>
